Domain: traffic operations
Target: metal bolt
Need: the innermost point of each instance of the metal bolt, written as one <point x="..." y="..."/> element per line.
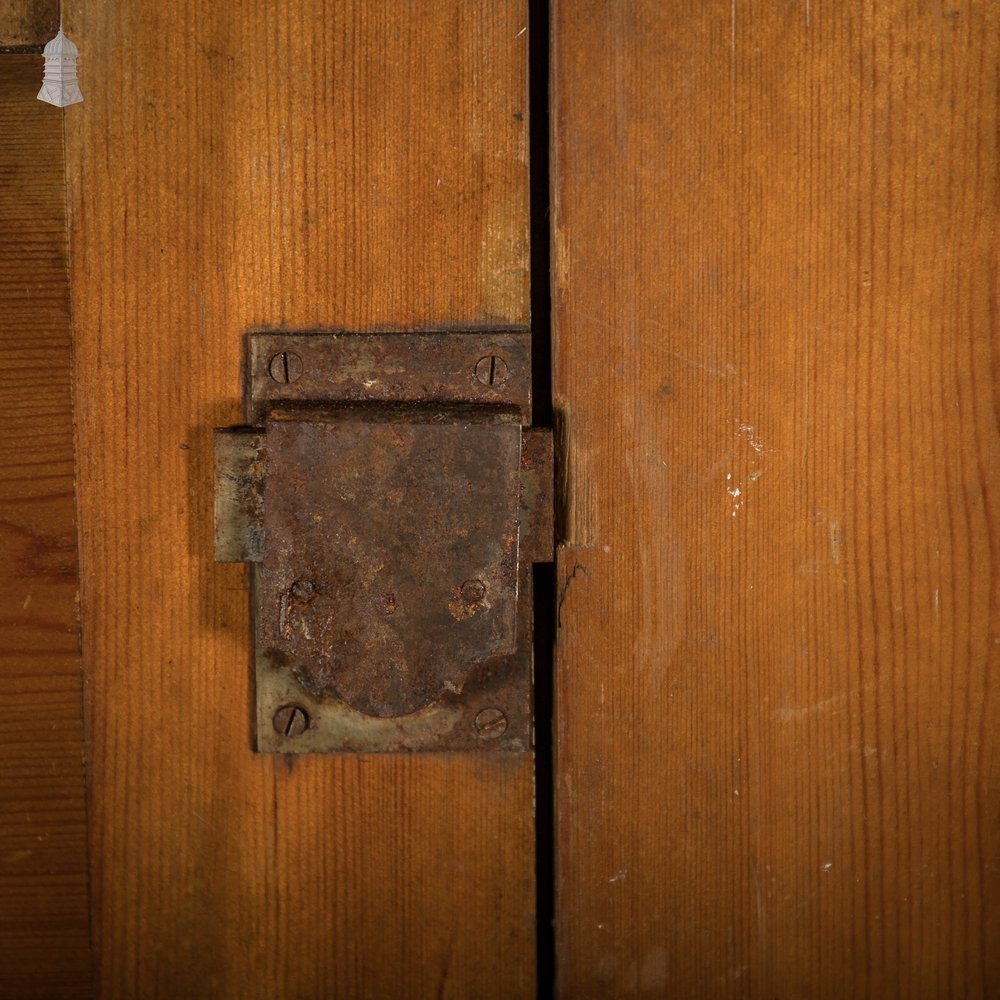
<point x="291" y="720"/>
<point x="490" y="724"/>
<point x="473" y="591"/>
<point x="386" y="604"/>
<point x="303" y="590"/>
<point x="285" y="367"/>
<point x="491" y="370"/>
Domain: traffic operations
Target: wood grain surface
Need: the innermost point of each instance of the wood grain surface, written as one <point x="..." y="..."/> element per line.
<point x="776" y="352"/>
<point x="44" y="937"/>
<point x="238" y="166"/>
<point x="28" y="22"/>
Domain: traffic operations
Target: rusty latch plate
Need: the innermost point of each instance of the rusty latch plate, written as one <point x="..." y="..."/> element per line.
<point x="392" y="539"/>
<point x="478" y="369"/>
<point x="391" y="565"/>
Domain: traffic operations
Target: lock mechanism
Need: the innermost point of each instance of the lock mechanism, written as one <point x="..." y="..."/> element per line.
<point x="391" y="498"/>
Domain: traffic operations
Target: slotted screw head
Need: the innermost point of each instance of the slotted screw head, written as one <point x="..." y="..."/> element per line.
<point x="490" y="724"/>
<point x="285" y="367"/>
<point x="473" y="591"/>
<point x="491" y="370"/>
<point x="291" y="720"/>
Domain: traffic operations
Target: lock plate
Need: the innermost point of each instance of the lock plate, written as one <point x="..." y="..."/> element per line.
<point x="391" y="532"/>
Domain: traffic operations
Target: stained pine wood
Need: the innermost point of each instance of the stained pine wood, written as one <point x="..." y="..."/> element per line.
<point x="28" y="22"/>
<point x="776" y="364"/>
<point x="247" y="165"/>
<point x="44" y="939"/>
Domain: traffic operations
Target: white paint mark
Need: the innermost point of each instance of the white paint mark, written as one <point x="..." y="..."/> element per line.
<point x="619" y="875"/>
<point x="749" y="435"/>
<point x="27" y="601"/>
<point x="827" y="865"/>
<point x="808" y="13"/>
<point x="736" y="493"/>
<point x="521" y="32"/>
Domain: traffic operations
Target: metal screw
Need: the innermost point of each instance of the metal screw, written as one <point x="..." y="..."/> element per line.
<point x="285" y="367"/>
<point x="386" y="604"/>
<point x="491" y="370"/>
<point x="491" y="723"/>
<point x="303" y="590"/>
<point x="473" y="591"/>
<point x="291" y="720"/>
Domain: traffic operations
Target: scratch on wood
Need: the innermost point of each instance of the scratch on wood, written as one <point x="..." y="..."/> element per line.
<point x="805" y="395"/>
<point x="578" y="567"/>
<point x="728" y="371"/>
<point x="759" y="900"/>
<point x="446" y="968"/>
<point x="732" y="61"/>
<point x="833" y="705"/>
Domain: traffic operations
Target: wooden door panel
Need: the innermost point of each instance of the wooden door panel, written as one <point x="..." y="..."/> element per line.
<point x="297" y="166"/>
<point x="776" y="350"/>
<point x="27" y="23"/>
<point x="44" y="935"/>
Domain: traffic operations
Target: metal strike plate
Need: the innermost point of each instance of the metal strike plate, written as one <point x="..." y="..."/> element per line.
<point x="391" y="502"/>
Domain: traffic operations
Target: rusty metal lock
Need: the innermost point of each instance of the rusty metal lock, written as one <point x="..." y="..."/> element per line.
<point x="391" y="500"/>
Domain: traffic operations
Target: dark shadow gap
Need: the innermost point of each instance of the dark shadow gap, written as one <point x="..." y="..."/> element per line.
<point x="544" y="577"/>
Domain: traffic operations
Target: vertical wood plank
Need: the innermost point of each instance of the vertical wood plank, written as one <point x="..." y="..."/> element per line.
<point x="776" y="365"/>
<point x="252" y="165"/>
<point x="28" y="22"/>
<point x="44" y="931"/>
